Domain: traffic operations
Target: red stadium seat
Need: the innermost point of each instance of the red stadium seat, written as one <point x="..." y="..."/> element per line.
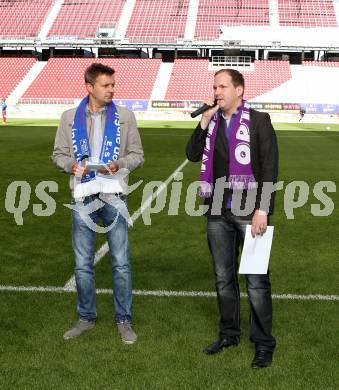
<point x="12" y="71"/>
<point x="63" y="78"/>
<point x="305" y="13"/>
<point x="213" y="13"/>
<point x="23" y="19"/>
<point x="158" y="21"/>
<point x="81" y="18"/>
<point x="191" y="79"/>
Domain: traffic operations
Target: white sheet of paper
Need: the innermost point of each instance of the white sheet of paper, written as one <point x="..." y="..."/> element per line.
<point x="102" y="183"/>
<point x="256" y="252"/>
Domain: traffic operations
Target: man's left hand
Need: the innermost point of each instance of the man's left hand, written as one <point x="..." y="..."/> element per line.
<point x="259" y="223"/>
<point x="111" y="169"/>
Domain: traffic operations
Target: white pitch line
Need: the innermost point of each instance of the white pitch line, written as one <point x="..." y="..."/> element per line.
<point x="280" y="136"/>
<point x="70" y="284"/>
<point x="150" y="199"/>
<point x="309" y="136"/>
<point x="168" y="135"/>
<point x="169" y="293"/>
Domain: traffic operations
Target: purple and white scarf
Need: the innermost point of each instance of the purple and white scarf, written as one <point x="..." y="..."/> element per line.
<point x="240" y="169"/>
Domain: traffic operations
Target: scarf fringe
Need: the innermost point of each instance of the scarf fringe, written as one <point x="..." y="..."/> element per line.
<point x="205" y="190"/>
<point x="242" y="182"/>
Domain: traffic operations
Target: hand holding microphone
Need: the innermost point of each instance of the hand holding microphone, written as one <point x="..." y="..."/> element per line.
<point x="208" y="109"/>
<point x="203" y="108"/>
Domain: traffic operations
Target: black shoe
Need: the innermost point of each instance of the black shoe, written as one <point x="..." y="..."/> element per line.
<point x="262" y="358"/>
<point x="218" y="345"/>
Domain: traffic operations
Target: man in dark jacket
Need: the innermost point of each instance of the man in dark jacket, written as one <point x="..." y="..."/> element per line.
<point x="239" y="153"/>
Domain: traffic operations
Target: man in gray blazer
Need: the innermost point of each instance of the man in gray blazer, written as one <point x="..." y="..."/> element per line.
<point x="94" y="143"/>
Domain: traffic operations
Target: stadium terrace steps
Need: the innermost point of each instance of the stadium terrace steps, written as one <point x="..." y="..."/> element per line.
<point x="124" y="20"/>
<point x="13" y="70"/>
<point x="162" y="81"/>
<point x="27" y="80"/>
<point x="336" y="9"/>
<point x="273" y="12"/>
<point x="192" y="13"/>
<point x="50" y="19"/>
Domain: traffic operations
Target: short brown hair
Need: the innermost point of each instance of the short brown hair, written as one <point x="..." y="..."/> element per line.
<point x="236" y="76"/>
<point x="96" y="69"/>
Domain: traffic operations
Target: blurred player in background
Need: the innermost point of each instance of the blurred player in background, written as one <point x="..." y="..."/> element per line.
<point x="4" y="111"/>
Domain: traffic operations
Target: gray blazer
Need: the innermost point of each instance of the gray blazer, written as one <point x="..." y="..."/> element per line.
<point x="131" y="151"/>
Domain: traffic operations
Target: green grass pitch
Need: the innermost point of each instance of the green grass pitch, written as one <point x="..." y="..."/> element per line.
<point x="170" y="254"/>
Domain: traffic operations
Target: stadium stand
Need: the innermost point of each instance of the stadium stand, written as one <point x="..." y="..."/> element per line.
<point x="21" y="18"/>
<point x="172" y="25"/>
<point x="308" y="85"/>
<point x="62" y="78"/>
<point x="307" y="13"/>
<point x="213" y="13"/>
<point x="81" y="18"/>
<point x="191" y="79"/>
<point x="267" y="76"/>
<point x="327" y="64"/>
<point x="12" y="71"/>
<point x="158" y="21"/>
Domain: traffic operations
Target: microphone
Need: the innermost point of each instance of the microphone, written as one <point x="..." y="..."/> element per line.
<point x="202" y="109"/>
<point x="83" y="159"/>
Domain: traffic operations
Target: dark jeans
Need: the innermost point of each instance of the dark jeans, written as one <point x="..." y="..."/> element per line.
<point x="225" y="235"/>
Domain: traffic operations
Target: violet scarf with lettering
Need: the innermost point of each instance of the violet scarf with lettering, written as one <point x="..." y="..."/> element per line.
<point x="240" y="169"/>
<point x="110" y="148"/>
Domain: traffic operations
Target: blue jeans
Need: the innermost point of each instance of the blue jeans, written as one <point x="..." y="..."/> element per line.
<point x="83" y="239"/>
<point x="225" y="235"/>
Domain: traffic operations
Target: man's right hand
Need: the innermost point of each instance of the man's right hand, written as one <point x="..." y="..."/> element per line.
<point x="208" y="115"/>
<point x="79" y="170"/>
